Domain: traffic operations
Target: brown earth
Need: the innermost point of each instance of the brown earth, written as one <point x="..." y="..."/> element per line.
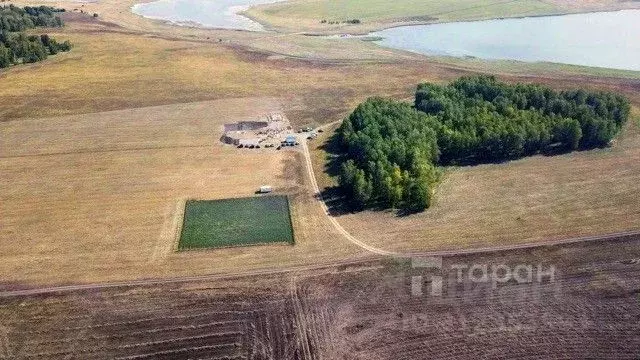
<point x="586" y="309"/>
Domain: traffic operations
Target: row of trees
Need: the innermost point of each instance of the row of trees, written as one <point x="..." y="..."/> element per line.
<point x="18" y="47"/>
<point x="392" y="149"/>
<point x="481" y="119"/>
<point x="14" y="19"/>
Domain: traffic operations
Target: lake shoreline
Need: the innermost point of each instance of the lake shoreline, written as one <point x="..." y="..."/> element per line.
<point x="377" y="26"/>
<point x="554" y="39"/>
<point x="229" y="16"/>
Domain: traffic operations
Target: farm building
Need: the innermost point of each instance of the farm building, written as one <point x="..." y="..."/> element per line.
<point x="251" y="133"/>
<point x="275" y="117"/>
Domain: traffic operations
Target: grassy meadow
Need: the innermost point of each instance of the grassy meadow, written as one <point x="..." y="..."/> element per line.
<point x="306" y="15"/>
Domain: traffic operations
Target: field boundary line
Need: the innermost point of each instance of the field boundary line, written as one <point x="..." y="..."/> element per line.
<point x="178" y="280"/>
<point x="170" y="232"/>
<point x="179" y="222"/>
<point x="293" y="234"/>
<point x="98" y="151"/>
<point x="530" y="245"/>
<point x="620" y="236"/>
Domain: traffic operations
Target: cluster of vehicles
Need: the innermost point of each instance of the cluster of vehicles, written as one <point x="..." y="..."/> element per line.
<point x="312" y="134"/>
<point x="256" y="146"/>
<point x="290" y="140"/>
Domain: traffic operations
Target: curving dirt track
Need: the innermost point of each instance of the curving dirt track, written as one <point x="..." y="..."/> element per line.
<point x="317" y="194"/>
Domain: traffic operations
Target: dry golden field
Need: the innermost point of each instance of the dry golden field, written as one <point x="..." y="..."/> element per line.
<point x="100" y="196"/>
<point x="113" y="68"/>
<point x="100" y="146"/>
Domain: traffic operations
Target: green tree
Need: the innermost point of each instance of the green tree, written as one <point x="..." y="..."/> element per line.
<point x="568" y="133"/>
<point x="418" y="194"/>
<point x="362" y="189"/>
<point x="397" y="188"/>
<point x="6" y="57"/>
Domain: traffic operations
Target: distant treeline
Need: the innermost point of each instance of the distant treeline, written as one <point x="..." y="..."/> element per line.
<point x="392" y="149"/>
<point x="349" y="21"/>
<point x="14" y="19"/>
<point x="481" y="119"/>
<point x="17" y="47"/>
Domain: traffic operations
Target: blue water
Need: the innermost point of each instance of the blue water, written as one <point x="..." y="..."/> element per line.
<point x="604" y="39"/>
<point x="221" y="14"/>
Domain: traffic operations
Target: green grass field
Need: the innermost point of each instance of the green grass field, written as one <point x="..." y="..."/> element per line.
<point x="305" y="15"/>
<point x="383" y="9"/>
<point x="311" y="12"/>
<point x="236" y="222"/>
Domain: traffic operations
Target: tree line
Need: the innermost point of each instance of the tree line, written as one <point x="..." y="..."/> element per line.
<point x="393" y="150"/>
<point x="18" y="47"/>
<point x="481" y="119"/>
<point x="15" y="19"/>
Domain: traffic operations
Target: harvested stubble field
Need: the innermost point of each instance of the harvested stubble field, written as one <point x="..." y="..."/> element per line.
<point x="587" y="309"/>
<point x="236" y="222"/>
<point x="100" y="196"/>
<point x="96" y="196"/>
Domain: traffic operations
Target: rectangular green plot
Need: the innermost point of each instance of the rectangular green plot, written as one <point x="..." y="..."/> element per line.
<point x="236" y="222"/>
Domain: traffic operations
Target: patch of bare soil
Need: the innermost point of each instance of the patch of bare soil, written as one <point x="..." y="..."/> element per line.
<point x="581" y="302"/>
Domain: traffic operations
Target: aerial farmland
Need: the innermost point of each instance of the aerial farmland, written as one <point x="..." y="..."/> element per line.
<point x="274" y="181"/>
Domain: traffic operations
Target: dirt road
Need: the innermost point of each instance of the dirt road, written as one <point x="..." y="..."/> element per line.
<point x="146" y="282"/>
<point x="325" y="209"/>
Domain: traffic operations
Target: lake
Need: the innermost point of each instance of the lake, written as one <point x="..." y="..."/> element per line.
<point x="604" y="39"/>
<point x="221" y="14"/>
